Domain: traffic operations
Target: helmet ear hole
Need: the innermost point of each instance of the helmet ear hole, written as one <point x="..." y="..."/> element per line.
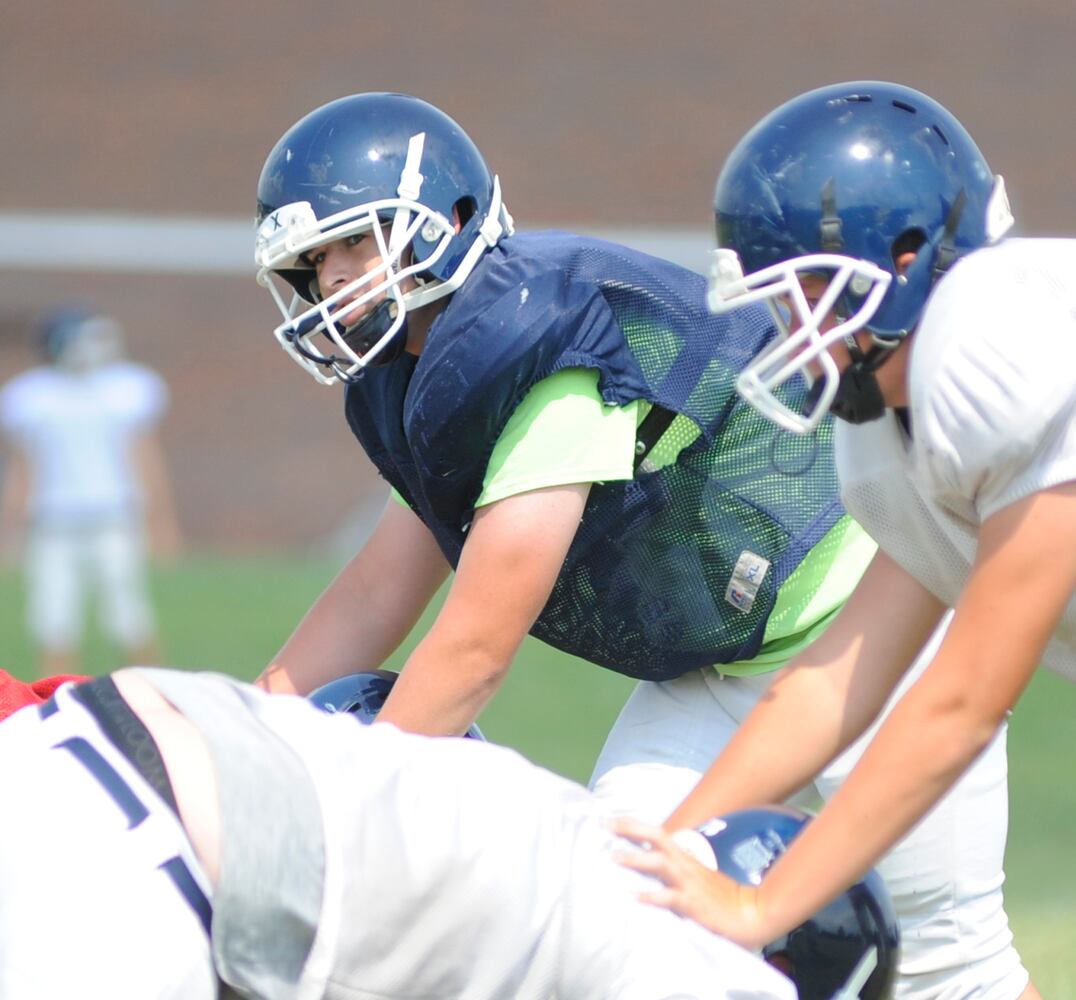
<point x="464" y="210"/>
<point x="903" y="175"/>
<point x="909" y="242"/>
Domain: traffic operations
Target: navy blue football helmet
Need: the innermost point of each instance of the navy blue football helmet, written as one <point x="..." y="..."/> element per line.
<point x="363" y="695"/>
<point x="838" y="183"/>
<point x="847" y="950"/>
<point x="385" y="166"/>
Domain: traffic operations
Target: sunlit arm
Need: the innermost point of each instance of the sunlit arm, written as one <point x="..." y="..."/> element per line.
<point x="1022" y="580"/>
<point x="513" y="555"/>
<point x="823" y="700"/>
<point x="13" y="502"/>
<point x="367" y="611"/>
<point x="162" y="525"/>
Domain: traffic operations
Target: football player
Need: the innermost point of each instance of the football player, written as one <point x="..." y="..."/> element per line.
<point x="558" y="418"/>
<point x="865" y="216"/>
<point x="86" y="490"/>
<point x="167" y="832"/>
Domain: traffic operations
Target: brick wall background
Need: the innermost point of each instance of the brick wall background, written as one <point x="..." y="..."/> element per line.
<point x="594" y="115"/>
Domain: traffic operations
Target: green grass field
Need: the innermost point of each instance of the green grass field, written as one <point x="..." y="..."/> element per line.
<point x="232" y="615"/>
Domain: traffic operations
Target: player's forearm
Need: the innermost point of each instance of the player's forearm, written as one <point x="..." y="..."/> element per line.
<point x="14" y="498"/>
<point x="447" y="681"/>
<point x="949" y="716"/>
<point x="932" y="736"/>
<point x="353" y="626"/>
<point x="944" y="721"/>
<point x="779" y="748"/>
<point x="344" y="632"/>
<point x="823" y="701"/>
<point x="336" y="637"/>
<point x="161" y="521"/>
<point x="507" y="569"/>
<point x="367" y="611"/>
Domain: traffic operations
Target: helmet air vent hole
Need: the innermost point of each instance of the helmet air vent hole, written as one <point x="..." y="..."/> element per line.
<point x="465" y="209"/>
<point x="904" y="107"/>
<point x="941" y="135"/>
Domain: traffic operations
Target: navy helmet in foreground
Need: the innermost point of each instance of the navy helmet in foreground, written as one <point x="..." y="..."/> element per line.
<point x="844" y="183"/>
<point x="386" y="166"/>
<point x="363" y="695"/>
<point x="846" y="951"/>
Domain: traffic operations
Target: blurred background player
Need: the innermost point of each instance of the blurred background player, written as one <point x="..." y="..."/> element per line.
<point x="558" y="418"/>
<point x="85" y="483"/>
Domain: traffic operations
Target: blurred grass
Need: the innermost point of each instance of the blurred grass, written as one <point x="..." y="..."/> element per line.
<point x="232" y="614"/>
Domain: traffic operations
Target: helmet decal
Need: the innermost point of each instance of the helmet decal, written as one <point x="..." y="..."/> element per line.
<point x="846" y="951"/>
<point x="363" y="695"/>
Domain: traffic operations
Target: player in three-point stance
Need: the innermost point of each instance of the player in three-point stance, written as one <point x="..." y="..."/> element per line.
<point x="176" y="835"/>
<point x="866" y="216"/>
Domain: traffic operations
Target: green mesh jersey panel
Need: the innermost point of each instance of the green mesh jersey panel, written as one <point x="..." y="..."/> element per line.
<point x="562" y="433"/>
<point x="651" y="586"/>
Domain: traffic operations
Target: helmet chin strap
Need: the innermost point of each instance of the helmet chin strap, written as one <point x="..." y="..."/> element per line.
<point x="371" y="328"/>
<point x="859" y="398"/>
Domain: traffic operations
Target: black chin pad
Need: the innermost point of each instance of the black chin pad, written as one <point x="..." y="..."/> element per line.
<point x="858" y="399"/>
<point x="371" y="328"/>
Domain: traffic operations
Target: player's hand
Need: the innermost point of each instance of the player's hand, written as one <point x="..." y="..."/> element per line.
<point x="688" y="888"/>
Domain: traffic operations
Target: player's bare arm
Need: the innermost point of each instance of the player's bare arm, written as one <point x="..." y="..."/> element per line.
<point x="514" y="552"/>
<point x="162" y="525"/>
<point x="13" y="501"/>
<point x="1022" y="580"/>
<point x="823" y="700"/>
<point x="367" y="611"/>
<point x="190" y="769"/>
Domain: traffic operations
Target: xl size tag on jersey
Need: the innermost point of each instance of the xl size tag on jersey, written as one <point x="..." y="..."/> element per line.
<point x="747" y="577"/>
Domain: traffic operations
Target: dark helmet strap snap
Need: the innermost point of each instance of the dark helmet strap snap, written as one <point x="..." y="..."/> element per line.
<point x="869" y="361"/>
<point x="946" y="254"/>
<point x="830" y="225"/>
<point x="362" y="337"/>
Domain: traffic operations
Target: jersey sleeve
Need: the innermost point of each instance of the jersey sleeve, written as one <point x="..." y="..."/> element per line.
<point x="19" y="400"/>
<point x="140" y="395"/>
<point x="993" y="398"/>
<point x="9" y="413"/>
<point x="562" y="432"/>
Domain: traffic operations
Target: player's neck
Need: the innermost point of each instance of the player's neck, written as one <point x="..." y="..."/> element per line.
<point x="419" y="322"/>
<point x="892" y="376"/>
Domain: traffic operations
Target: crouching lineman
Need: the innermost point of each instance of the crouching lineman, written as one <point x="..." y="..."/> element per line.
<point x="167" y="832"/>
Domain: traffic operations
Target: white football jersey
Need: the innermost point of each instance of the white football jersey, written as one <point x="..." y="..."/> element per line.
<point x="993" y="418"/>
<point x="77" y="430"/>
